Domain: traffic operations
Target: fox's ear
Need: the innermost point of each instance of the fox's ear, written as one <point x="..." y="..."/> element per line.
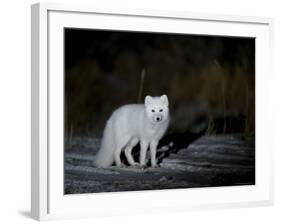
<point x="148" y="100"/>
<point x="164" y="99"/>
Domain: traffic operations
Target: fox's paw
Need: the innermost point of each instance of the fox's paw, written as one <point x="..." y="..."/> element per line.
<point x="121" y="165"/>
<point x="143" y="166"/>
<point x="135" y="164"/>
<point x="155" y="166"/>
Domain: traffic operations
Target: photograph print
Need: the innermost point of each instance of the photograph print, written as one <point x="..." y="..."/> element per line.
<point x="154" y="111"/>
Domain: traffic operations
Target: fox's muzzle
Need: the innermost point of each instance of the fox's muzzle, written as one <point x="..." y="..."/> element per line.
<point x="158" y="118"/>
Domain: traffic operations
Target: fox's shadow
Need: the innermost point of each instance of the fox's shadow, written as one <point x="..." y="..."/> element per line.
<point x="169" y="144"/>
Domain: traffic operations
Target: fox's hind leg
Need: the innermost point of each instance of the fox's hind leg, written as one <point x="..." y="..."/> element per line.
<point x="119" y="146"/>
<point x="128" y="151"/>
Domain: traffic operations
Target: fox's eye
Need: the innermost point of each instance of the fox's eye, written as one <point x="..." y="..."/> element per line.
<point x="161" y="110"/>
<point x="152" y="111"/>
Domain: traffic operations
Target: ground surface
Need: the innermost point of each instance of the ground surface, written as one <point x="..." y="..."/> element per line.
<point x="209" y="161"/>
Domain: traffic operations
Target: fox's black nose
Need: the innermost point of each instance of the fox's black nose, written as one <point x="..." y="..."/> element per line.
<point x="157" y="118"/>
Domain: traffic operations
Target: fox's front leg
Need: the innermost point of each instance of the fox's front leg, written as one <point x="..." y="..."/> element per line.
<point x="144" y="146"/>
<point x="153" y="149"/>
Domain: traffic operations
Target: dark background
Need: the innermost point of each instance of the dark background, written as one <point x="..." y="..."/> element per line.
<point x="209" y="80"/>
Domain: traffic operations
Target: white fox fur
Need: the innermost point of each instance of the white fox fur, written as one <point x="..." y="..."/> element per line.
<point x="130" y="124"/>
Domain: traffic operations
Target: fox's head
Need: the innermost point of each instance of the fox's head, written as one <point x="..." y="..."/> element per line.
<point x="157" y="108"/>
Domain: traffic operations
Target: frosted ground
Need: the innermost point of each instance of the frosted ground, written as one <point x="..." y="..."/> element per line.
<point x="207" y="161"/>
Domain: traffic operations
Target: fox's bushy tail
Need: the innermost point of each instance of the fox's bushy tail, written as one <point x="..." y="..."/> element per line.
<point x="105" y="156"/>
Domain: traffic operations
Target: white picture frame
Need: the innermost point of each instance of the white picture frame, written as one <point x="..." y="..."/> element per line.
<point x="47" y="198"/>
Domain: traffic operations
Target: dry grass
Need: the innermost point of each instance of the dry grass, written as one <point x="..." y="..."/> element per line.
<point x="92" y="94"/>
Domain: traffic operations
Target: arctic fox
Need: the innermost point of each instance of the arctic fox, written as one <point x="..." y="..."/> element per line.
<point x="145" y="123"/>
